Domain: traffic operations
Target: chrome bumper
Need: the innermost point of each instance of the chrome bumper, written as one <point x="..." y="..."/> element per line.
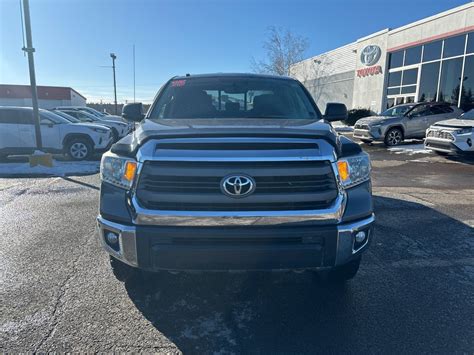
<point x="345" y="243"/>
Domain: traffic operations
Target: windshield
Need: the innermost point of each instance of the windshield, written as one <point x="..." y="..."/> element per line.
<point x="229" y="97"/>
<point x="397" y="110"/>
<point x="66" y="116"/>
<point x="91" y="111"/>
<point x="53" y="117"/>
<point x="469" y="115"/>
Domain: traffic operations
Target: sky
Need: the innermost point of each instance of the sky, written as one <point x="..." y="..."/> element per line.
<point x="73" y="39"/>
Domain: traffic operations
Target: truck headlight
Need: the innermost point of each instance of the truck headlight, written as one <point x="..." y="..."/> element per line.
<point x="354" y="170"/>
<point x="118" y="171"/>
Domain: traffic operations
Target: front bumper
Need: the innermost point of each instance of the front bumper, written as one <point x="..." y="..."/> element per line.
<point x="442" y="145"/>
<point x="283" y="247"/>
<point x="369" y="135"/>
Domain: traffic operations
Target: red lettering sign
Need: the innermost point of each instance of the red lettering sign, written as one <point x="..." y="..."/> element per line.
<point x="376" y="69"/>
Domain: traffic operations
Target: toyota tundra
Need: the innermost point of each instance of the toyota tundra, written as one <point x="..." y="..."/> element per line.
<point x="231" y="172"/>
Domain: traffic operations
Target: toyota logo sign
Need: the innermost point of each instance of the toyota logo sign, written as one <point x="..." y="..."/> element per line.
<point x="370" y="55"/>
<point x="237" y="185"/>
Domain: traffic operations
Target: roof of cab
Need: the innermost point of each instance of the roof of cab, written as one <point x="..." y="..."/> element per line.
<point x="230" y="75"/>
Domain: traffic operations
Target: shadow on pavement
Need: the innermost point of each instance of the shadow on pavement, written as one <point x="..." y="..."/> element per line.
<point x="412" y="294"/>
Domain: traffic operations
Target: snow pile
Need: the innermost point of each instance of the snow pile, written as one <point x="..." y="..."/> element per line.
<point x="410" y="149"/>
<point x="59" y="168"/>
<point x="341" y="127"/>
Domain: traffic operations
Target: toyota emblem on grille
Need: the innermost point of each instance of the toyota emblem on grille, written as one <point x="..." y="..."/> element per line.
<point x="237" y="185"/>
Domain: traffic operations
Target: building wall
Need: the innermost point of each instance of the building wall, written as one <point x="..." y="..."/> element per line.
<point x="369" y="90"/>
<point x="329" y="77"/>
<point x="77" y="100"/>
<point x="45" y="104"/>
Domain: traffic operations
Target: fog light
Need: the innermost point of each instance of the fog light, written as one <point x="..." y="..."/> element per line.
<point x="469" y="142"/>
<point x="111" y="238"/>
<point x="360" y="237"/>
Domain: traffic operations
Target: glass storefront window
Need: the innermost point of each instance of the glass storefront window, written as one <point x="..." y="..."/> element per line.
<point x="467" y="92"/>
<point x="413" y="55"/>
<point x="395" y="79"/>
<point x="396" y="59"/>
<point x="454" y="46"/>
<point x="450" y="80"/>
<point x="410" y="76"/>
<point x="408" y="89"/>
<point x="470" y="43"/>
<point x="432" y="51"/>
<point x="393" y="91"/>
<point x="429" y="82"/>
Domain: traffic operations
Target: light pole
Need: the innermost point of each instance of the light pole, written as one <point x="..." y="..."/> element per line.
<point x="34" y="93"/>
<point x="113" y="56"/>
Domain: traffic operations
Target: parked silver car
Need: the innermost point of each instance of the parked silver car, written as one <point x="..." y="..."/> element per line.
<point x="403" y="122"/>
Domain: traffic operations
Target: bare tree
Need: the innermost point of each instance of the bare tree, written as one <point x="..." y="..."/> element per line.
<point x="282" y="48"/>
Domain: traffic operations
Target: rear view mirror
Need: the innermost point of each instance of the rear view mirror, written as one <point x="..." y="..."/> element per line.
<point x="133" y="112"/>
<point x="335" y="112"/>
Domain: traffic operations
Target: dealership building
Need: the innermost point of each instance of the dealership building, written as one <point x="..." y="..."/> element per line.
<point x="48" y="96"/>
<point x="428" y="60"/>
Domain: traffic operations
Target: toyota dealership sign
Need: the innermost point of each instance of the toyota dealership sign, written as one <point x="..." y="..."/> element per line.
<point x="369" y="56"/>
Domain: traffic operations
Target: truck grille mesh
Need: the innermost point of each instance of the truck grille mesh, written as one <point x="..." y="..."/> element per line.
<point x="195" y="186"/>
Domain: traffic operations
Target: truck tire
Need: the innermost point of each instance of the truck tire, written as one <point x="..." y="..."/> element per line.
<point x="341" y="273"/>
<point x="78" y="149"/>
<point x="122" y="271"/>
<point x="393" y="137"/>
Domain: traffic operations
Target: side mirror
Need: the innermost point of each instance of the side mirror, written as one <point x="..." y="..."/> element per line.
<point x="335" y="112"/>
<point x="133" y="112"/>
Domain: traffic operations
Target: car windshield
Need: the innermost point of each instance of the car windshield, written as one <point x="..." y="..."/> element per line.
<point x="66" y="116"/>
<point x="234" y="97"/>
<point x="91" y="111"/>
<point x="397" y="111"/>
<point x="469" y="115"/>
<point x="53" y="117"/>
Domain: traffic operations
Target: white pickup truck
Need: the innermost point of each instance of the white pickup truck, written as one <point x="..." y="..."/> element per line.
<point x="79" y="141"/>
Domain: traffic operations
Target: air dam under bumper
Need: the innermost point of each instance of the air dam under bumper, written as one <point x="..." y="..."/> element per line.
<point x="283" y="247"/>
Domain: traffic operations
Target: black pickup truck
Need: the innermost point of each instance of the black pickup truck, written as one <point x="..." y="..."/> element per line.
<point x="235" y="172"/>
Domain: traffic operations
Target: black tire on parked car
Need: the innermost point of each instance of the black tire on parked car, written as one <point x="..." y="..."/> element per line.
<point x="366" y="141"/>
<point x="393" y="137"/>
<point x="441" y="153"/>
<point x="78" y="149"/>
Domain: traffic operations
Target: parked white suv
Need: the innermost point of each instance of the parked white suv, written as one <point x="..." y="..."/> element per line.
<point x="92" y="111"/>
<point x="453" y="136"/>
<point x="79" y="141"/>
<point x="119" y="129"/>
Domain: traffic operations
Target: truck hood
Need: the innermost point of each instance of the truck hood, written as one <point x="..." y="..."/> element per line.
<point x="200" y="128"/>
<point x="378" y="119"/>
<point x="455" y="123"/>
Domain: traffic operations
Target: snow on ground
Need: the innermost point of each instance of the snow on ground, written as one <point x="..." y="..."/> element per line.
<point x="410" y="149"/>
<point x="341" y="127"/>
<point x="59" y="168"/>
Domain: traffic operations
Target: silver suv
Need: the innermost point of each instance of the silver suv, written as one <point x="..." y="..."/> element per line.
<point x="403" y="121"/>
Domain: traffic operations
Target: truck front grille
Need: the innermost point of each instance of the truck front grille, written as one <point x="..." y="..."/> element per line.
<point x="196" y="186"/>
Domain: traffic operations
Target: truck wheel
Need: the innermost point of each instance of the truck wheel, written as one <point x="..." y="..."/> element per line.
<point x="341" y="273"/>
<point x="122" y="271"/>
<point x="393" y="137"/>
<point x="78" y="149"/>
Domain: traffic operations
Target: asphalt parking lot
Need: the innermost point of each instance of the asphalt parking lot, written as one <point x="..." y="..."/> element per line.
<point x="414" y="292"/>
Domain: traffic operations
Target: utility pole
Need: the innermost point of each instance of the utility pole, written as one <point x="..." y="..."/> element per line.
<point x="113" y="56"/>
<point x="34" y="93"/>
